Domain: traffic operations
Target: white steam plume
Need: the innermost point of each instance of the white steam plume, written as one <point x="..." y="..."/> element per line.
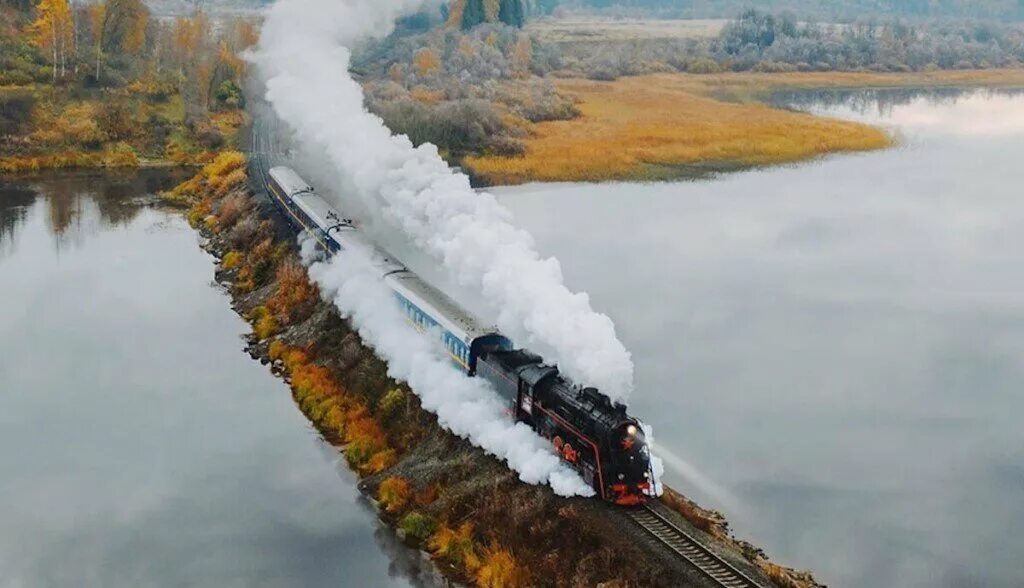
<point x="465" y="406"/>
<point x="304" y="57"/>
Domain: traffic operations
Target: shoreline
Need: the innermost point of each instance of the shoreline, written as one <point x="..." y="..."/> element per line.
<point x="671" y="127"/>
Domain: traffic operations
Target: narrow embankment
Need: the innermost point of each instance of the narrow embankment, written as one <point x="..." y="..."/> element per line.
<point x="478" y="522"/>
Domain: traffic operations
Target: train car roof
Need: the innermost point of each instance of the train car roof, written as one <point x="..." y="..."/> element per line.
<point x="322" y="213"/>
<point x="350" y="238"/>
<point x="439" y="306"/>
<point x="289" y="180"/>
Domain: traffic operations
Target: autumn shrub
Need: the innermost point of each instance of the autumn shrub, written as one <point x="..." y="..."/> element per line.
<point x="428" y="495"/>
<point x="359" y="452"/>
<point x="231" y="260"/>
<point x="707" y="520"/>
<point x="231" y="209"/>
<point x="79" y="124"/>
<point x="394" y="493"/>
<point x="499" y="569"/>
<point x="455" y="546"/>
<point x="115" y="118"/>
<point x="391" y="404"/>
<point x="224" y="164"/>
<point x="418" y="526"/>
<point x="310" y="379"/>
<point x="244" y="233"/>
<point x="245" y="282"/>
<point x="262" y="258"/>
<point x="364" y="438"/>
<point x="787" y="577"/>
<point x="152" y="90"/>
<point x="277" y="349"/>
<point x="120" y="155"/>
<point x="295" y="293"/>
<point x="222" y="185"/>
<point x="334" y="420"/>
<point x="381" y="461"/>
<point x="264" y="323"/>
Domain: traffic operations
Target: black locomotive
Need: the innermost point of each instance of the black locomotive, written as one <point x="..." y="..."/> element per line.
<point x="603" y="443"/>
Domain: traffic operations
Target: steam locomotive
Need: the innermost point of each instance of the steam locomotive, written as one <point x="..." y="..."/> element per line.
<point x="590" y="433"/>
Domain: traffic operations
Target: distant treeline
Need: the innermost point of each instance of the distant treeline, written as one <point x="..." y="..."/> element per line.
<point x="760" y="41"/>
<point x="826" y="10"/>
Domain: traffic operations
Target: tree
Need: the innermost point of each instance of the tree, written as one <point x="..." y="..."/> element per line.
<point x="491" y="8"/>
<point x="473" y="13"/>
<point x="125" y="26"/>
<point x="426" y="62"/>
<point x="522" y="54"/>
<point x="53" y="32"/>
<point x="511" y="13"/>
<point x="98" y="20"/>
<point x="22" y="6"/>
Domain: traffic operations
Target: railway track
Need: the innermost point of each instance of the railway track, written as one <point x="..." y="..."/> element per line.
<point x="685" y="546"/>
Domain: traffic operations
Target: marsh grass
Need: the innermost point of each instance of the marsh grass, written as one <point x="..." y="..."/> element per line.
<point x="660" y="127"/>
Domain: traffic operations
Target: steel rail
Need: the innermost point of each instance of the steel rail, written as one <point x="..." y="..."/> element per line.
<point x="688" y="548"/>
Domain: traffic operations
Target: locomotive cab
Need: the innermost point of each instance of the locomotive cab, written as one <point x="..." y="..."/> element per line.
<point x="630" y="467"/>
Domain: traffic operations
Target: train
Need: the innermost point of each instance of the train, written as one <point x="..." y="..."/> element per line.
<point x="589" y="432"/>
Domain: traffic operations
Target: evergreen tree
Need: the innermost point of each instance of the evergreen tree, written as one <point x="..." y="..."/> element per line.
<point x="511" y="13"/>
<point x="473" y="14"/>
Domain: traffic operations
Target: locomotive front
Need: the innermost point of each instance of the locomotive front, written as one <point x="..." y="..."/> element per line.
<point x="630" y="467"/>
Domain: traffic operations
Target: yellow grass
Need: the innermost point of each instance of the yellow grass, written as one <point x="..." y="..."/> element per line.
<point x="602" y="30"/>
<point x="664" y="125"/>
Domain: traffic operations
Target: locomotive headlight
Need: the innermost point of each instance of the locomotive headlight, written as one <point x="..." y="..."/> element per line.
<point x="631" y="430"/>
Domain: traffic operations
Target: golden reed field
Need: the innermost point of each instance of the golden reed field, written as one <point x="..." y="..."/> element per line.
<point x="671" y="125"/>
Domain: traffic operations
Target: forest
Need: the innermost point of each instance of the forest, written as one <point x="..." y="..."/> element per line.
<point x="107" y="84"/>
<point x="481" y="89"/>
<point x="767" y="42"/>
<point x="822" y="10"/>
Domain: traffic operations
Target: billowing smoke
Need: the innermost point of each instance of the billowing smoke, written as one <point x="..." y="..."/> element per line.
<point x="304" y="57"/>
<point x="465" y="406"/>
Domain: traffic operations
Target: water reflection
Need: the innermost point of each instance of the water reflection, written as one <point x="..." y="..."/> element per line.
<point x="836" y="348"/>
<point x="81" y="204"/>
<point x="883" y="102"/>
<point x="961" y="111"/>
<point x="14" y="203"/>
<point x="140" y="446"/>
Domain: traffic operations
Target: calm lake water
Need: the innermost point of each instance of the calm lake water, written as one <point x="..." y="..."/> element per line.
<point x="832" y="353"/>
<point x="139" y="445"/>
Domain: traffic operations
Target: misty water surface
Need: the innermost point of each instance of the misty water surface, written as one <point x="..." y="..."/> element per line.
<point x="832" y="353"/>
<point x="139" y="445"/>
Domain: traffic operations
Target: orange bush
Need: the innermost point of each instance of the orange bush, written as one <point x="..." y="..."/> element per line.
<point x="262" y="251"/>
<point x="707" y="520"/>
<point x="222" y="185"/>
<point x="294" y="291"/>
<point x="264" y="324"/>
<point x="231" y="210"/>
<point x="277" y="349"/>
<point x="381" y="461"/>
<point x="499" y="569"/>
<point x="313" y="380"/>
<point x="231" y="260"/>
<point x="394" y="494"/>
<point x="428" y="495"/>
<point x="224" y="164"/>
<point x="426" y="95"/>
<point x="456" y="546"/>
<point x="245" y="282"/>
